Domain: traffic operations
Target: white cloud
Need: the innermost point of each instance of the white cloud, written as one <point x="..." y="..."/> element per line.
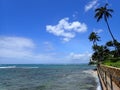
<point x="15" y="42"/>
<point x="22" y="50"/>
<point x="80" y="57"/>
<point x="48" y="46"/>
<point x="91" y="5"/>
<point x="15" y="47"/>
<point x="67" y="30"/>
<point x="98" y="30"/>
<point x="75" y="15"/>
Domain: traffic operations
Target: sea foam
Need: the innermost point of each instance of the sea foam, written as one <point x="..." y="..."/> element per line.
<point x="94" y="74"/>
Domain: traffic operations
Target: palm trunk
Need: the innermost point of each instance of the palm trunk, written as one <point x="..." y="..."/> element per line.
<point x="114" y="40"/>
<point x="110" y="30"/>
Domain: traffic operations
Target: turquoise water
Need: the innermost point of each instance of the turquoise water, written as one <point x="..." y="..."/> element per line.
<point x="46" y="77"/>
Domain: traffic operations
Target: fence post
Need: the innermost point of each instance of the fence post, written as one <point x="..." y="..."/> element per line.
<point x="99" y="75"/>
<point x="111" y="82"/>
<point x="106" y="81"/>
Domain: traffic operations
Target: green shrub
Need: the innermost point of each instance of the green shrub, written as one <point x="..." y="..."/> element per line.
<point x="112" y="62"/>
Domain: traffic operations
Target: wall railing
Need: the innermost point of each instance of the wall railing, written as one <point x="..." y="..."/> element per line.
<point x="109" y="75"/>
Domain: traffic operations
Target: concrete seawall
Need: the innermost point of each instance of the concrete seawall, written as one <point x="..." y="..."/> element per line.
<point x="109" y="77"/>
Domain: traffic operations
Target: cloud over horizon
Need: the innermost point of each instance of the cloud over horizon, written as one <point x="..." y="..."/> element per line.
<point x="22" y="50"/>
<point x="15" y="47"/>
<point x="66" y="30"/>
<point x="80" y="57"/>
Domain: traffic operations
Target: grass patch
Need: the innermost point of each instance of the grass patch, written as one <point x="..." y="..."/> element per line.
<point x="115" y="62"/>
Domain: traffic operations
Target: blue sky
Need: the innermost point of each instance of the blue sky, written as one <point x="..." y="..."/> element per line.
<point x="52" y="31"/>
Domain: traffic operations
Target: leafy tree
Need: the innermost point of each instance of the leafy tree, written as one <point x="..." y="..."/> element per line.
<point x="110" y="44"/>
<point x="101" y="52"/>
<point x="117" y="44"/>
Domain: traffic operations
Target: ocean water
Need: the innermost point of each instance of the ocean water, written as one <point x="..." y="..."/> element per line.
<point x="46" y="77"/>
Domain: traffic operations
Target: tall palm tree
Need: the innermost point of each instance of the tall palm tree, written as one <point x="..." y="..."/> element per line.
<point x="94" y="37"/>
<point x="106" y="13"/>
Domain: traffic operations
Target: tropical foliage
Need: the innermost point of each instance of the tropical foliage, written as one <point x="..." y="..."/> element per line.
<point x="109" y="53"/>
<point x="104" y="12"/>
<point x="94" y="37"/>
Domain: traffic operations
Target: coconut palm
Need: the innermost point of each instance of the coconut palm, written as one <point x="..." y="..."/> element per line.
<point x="94" y="37"/>
<point x="106" y="13"/>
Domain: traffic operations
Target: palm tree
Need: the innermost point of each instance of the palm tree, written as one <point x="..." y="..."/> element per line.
<point x="94" y="37"/>
<point x="106" y="13"/>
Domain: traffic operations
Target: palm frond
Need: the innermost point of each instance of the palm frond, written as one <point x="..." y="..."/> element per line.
<point x="97" y="14"/>
<point x="106" y="5"/>
<point x="98" y="9"/>
<point x="108" y="14"/>
<point x="99" y="17"/>
<point x="103" y="11"/>
<point x="110" y="10"/>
